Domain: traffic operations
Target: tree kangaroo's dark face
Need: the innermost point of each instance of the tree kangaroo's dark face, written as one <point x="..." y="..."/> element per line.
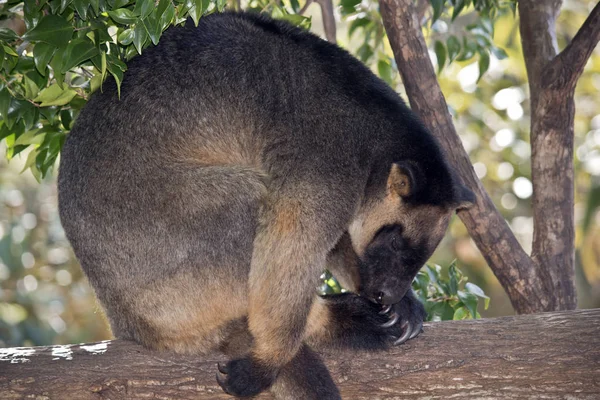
<point x="390" y="263"/>
<point x="395" y="255"/>
<point x="394" y="236"/>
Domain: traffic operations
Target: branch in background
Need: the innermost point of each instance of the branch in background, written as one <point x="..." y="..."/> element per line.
<point x="538" y="37"/>
<point x="492" y="235"/>
<point x="546" y="355"/>
<point x="328" y="19"/>
<point x="327" y="15"/>
<point x="567" y="67"/>
<point x="421" y="8"/>
<point x="305" y="7"/>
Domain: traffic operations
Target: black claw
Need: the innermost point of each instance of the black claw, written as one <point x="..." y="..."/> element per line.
<point x="385" y="309"/>
<point x="221" y="382"/>
<point x="416" y="331"/>
<point x="393" y="319"/>
<point x="405" y="336"/>
<point x="222" y="368"/>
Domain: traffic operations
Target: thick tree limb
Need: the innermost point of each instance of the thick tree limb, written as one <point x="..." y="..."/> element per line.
<point x="509" y="262"/>
<point x="567" y="67"/>
<point x="554" y="355"/>
<point x="552" y="89"/>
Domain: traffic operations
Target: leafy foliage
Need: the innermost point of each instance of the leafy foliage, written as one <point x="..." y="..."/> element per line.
<point x="69" y="47"/>
<point x="451" y="298"/>
<point x="448" y="299"/>
<point x="67" y="50"/>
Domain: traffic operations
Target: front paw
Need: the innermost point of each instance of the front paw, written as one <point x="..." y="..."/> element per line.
<point x="245" y="377"/>
<point x="405" y="318"/>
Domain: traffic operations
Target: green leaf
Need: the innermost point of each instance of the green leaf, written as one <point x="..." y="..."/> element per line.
<point x="440" y="53"/>
<point x="81" y="6"/>
<point x="30" y="137"/>
<point x="8" y="35"/>
<point x="10" y="59"/>
<point x="438" y="8"/>
<point x="296" y="19"/>
<point x="5" y="99"/>
<point x="56" y="65"/>
<point x="140" y="36"/>
<point x="10" y="51"/>
<point x="477" y="291"/>
<point x="453" y="46"/>
<point x="385" y="71"/>
<point x="196" y="9"/>
<point x="499" y="53"/>
<point x="28" y="113"/>
<point x="349" y="6"/>
<point x="95" y="6"/>
<point x="31" y="89"/>
<point x="66" y="117"/>
<point x="167" y="16"/>
<point x="103" y="64"/>
<point x="120" y="3"/>
<point x="55" y="96"/>
<point x="484" y="62"/>
<point x="461" y="313"/>
<point x="441" y="311"/>
<point x="123" y="16"/>
<point x="30" y="159"/>
<point x="126" y="37"/>
<point x="64" y="4"/>
<point x="51" y="29"/>
<point x="458" y="7"/>
<point x="468" y="50"/>
<point x="470" y="301"/>
<point x="78" y="51"/>
<point x="358" y="23"/>
<point x="453" y="285"/>
<point x="153" y="28"/>
<point x="143" y="8"/>
<point x="42" y="53"/>
<point x="95" y="83"/>
<point x="365" y="52"/>
<point x="115" y="70"/>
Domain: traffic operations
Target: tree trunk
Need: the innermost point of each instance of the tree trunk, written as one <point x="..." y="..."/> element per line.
<point x="553" y="355"/>
<point x="544" y="281"/>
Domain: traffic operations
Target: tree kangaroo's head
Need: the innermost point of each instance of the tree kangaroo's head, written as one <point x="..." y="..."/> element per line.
<point x="399" y="226"/>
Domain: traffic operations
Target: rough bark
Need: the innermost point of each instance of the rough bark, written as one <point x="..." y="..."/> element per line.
<point x="553" y="355"/>
<point x="552" y="81"/>
<point x="544" y="281"/>
<point x="485" y="224"/>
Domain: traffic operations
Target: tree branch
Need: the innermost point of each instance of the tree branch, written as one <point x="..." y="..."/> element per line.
<point x="492" y="235"/>
<point x="538" y="37"/>
<point x="328" y="19"/>
<point x="568" y="66"/>
<point x="552" y="132"/>
<point x="552" y="355"/>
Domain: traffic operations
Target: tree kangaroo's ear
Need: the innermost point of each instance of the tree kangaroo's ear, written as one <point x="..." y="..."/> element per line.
<point x="403" y="179"/>
<point x="464" y="197"/>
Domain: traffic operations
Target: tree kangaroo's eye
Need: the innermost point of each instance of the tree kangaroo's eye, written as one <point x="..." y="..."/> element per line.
<point x="397" y="242"/>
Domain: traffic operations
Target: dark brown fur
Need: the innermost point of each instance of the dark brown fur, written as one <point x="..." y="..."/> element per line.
<point x="210" y="195"/>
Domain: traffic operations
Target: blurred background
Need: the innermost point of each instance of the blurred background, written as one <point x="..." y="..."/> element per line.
<point x="45" y="299"/>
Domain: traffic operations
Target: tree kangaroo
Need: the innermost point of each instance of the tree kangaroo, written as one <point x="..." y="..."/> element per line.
<point x="242" y="154"/>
